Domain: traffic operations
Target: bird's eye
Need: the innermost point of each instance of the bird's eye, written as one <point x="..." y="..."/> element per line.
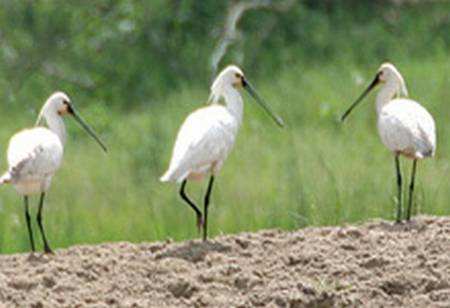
<point x="68" y="106"/>
<point x="237" y="75"/>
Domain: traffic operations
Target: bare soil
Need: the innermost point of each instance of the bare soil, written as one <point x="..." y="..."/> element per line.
<point x="377" y="264"/>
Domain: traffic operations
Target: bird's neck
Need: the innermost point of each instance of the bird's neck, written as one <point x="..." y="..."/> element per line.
<point x="234" y="103"/>
<point x="56" y="124"/>
<point x="388" y="91"/>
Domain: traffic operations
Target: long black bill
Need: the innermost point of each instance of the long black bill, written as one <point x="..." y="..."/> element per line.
<point x="261" y="102"/>
<point x="374" y="82"/>
<point x="86" y="127"/>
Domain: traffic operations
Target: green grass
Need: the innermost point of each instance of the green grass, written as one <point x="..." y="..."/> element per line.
<point x="316" y="171"/>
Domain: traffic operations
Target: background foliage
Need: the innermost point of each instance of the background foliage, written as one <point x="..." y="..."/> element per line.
<point x="135" y="69"/>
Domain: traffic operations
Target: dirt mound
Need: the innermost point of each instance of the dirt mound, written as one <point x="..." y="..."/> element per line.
<point x="376" y="264"/>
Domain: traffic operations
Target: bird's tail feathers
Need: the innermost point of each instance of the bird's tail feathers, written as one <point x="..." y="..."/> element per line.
<point x="165" y="177"/>
<point x="5" y="178"/>
<point x="173" y="176"/>
<point x="168" y="176"/>
<point x="427" y="147"/>
<point x="426" y="153"/>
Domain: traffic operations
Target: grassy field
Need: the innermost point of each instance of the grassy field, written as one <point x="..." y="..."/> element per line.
<point x="316" y="171"/>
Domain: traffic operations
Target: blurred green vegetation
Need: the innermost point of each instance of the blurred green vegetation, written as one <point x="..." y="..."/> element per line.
<point x="135" y="69"/>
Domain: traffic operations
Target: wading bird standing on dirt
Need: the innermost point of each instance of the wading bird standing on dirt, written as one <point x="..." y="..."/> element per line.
<point x="207" y="136"/>
<point x="35" y="154"/>
<point x="405" y="127"/>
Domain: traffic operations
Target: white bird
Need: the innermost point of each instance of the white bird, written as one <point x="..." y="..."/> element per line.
<point x="207" y="136"/>
<point x="35" y="154"/>
<point x="405" y="127"/>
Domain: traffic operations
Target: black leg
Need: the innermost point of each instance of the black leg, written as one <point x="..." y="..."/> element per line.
<point x="191" y="204"/>
<point x="41" y="228"/>
<point x="206" y="204"/>
<point x="28" y="218"/>
<point x="399" y="184"/>
<point x="411" y="190"/>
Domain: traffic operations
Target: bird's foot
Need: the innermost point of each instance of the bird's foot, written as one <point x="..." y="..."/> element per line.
<point x="32" y="256"/>
<point x="47" y="250"/>
<point x="204" y="238"/>
<point x="398" y="222"/>
<point x="409" y="221"/>
<point x="408" y="218"/>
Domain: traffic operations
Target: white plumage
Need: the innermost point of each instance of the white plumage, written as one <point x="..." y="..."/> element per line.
<point x="35" y="154"/>
<point x="208" y="134"/>
<point x="405" y="127"/>
<point x="203" y="143"/>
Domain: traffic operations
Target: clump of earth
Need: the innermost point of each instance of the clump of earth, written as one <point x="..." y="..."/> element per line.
<point x="377" y="264"/>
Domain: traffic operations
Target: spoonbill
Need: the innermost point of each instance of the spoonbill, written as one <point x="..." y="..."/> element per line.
<point x="405" y="127"/>
<point x="207" y="136"/>
<point x="36" y="153"/>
